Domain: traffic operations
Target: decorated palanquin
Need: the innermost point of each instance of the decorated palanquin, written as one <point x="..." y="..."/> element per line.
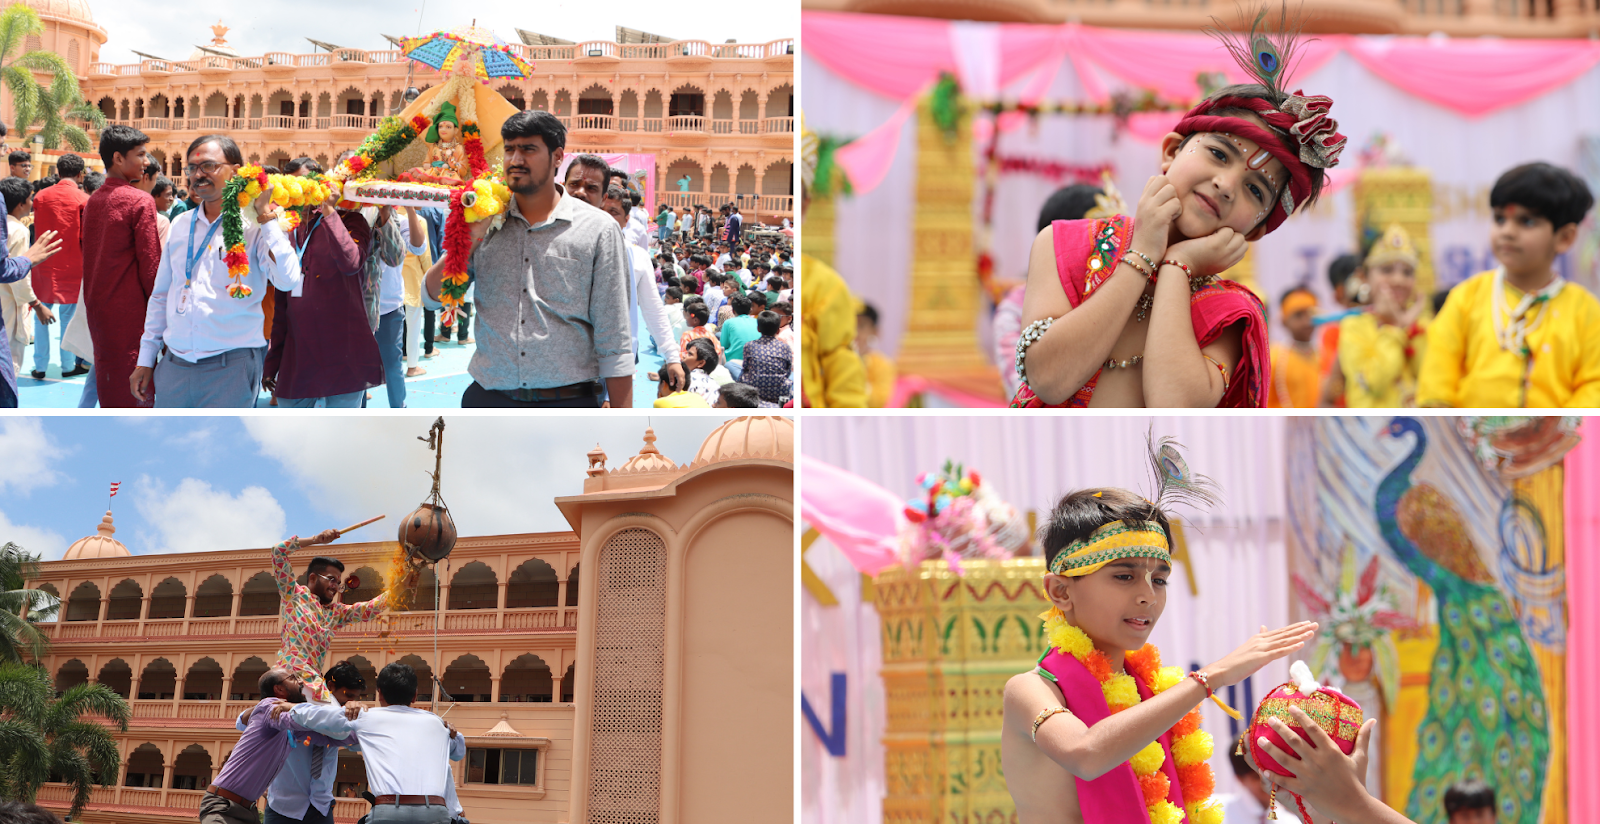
<point x="951" y="640"/>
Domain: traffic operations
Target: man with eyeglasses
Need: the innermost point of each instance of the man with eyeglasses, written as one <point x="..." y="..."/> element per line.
<point x="311" y="611"/>
<point x="21" y="162"/>
<point x="552" y="286"/>
<point x="214" y="342"/>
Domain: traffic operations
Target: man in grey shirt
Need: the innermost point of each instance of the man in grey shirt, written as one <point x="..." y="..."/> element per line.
<point x="553" y="286"/>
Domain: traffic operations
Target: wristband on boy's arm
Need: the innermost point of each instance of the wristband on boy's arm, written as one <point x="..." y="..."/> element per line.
<point x="1203" y="680"/>
<point x="1044" y="715"/>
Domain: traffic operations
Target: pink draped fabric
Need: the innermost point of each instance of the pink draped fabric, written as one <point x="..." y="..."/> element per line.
<point x="1475" y="77"/>
<point x="1470" y="76"/>
<point x="861" y="518"/>
<point x="867" y="159"/>
<point x="1583" y="618"/>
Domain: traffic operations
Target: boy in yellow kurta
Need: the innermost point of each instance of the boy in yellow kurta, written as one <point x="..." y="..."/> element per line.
<point x="1520" y="335"/>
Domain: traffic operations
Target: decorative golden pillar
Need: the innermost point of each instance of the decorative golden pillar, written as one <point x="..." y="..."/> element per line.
<point x="941" y="337"/>
<point x="950" y="643"/>
<point x="1403" y="196"/>
<point x="818" y="232"/>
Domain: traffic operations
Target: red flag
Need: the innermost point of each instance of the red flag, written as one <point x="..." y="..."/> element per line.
<point x="114" y="485"/>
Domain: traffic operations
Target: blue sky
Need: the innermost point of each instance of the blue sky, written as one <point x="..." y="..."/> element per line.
<point x="199" y="484"/>
<point x="172" y="28"/>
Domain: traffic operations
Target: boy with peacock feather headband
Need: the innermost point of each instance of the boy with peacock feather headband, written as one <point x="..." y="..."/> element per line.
<point x="1103" y="330"/>
<point x="1099" y="707"/>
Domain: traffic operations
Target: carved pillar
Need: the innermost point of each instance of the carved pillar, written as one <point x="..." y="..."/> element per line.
<point x="494" y="688"/>
<point x="500" y="606"/>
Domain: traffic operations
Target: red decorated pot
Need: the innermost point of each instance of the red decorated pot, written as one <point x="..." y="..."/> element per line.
<point x="1333" y="711"/>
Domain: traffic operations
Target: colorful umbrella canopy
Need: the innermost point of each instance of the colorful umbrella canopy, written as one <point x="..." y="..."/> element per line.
<point x="492" y="57"/>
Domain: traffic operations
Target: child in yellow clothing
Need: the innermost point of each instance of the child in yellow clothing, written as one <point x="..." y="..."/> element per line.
<point x="1380" y="351"/>
<point x="1520" y="335"/>
<point x="880" y="369"/>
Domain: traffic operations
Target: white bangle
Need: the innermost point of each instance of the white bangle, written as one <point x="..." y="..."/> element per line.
<point x="1034" y="332"/>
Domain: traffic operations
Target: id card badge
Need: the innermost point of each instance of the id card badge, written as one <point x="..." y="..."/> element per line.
<point x="183" y="299"/>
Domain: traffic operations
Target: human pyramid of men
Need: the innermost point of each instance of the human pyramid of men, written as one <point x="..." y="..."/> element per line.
<point x="289" y="742"/>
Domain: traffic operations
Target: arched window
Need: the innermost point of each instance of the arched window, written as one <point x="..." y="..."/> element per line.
<point x="213" y="598"/>
<point x="424" y="676"/>
<point x="159" y="680"/>
<point x="84" y="605"/>
<point x="567" y="682"/>
<point x="526" y="678"/>
<point x="572" y="586"/>
<point x="167" y="599"/>
<point x="192" y="768"/>
<point x="145" y="767"/>
<point x="117" y="676"/>
<point x="371" y="587"/>
<point x="71" y="674"/>
<point x="474" y="587"/>
<point x="126" y="599"/>
<point x="466" y="679"/>
<point x="426" y="596"/>
<point x="203" y="682"/>
<point x="259" y="596"/>
<point x="532" y="584"/>
<point x="247" y="680"/>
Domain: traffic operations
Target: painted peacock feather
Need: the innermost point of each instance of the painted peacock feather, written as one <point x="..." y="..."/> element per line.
<point x="1486" y="715"/>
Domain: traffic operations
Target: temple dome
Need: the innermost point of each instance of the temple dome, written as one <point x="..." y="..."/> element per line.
<point x="752" y="437"/>
<point x="649" y="458"/>
<point x="72" y="9"/>
<point x="100" y="545"/>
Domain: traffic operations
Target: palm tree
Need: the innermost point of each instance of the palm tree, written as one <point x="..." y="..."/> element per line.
<point x="18" y="635"/>
<point x="30" y="103"/>
<point x="43" y="737"/>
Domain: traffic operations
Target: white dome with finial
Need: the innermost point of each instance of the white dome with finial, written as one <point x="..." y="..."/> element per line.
<point x="99" y="545"/>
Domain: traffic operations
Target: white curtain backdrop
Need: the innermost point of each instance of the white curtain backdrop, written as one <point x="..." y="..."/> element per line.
<point x="1237" y="554"/>
<point x="1466" y="154"/>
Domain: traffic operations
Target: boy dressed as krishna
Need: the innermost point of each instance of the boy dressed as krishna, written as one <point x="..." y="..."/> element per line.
<point x="1100" y="709"/>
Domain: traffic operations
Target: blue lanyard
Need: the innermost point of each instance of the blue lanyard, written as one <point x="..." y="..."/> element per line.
<point x="301" y="252"/>
<point x="194" y="259"/>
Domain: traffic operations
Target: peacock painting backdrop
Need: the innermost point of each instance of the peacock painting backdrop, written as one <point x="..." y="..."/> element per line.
<point x="1431" y="551"/>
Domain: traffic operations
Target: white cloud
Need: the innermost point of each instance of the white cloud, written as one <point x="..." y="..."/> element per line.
<point x="29" y="455"/>
<point x="195" y="517"/>
<point x="45" y="543"/>
<point x="500" y="473"/>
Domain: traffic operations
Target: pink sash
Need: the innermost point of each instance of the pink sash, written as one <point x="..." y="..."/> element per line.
<point x="1113" y="798"/>
<point x="1211" y="310"/>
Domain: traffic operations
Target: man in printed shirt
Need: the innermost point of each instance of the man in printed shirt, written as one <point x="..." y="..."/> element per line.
<point x="311" y="613"/>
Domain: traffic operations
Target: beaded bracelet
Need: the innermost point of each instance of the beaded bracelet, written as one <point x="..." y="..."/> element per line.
<point x="1187" y="272"/>
<point x="1147" y="260"/>
<point x="1148" y="274"/>
<point x="1034" y="332"/>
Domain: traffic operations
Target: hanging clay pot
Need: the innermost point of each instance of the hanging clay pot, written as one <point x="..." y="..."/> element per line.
<point x="428" y="533"/>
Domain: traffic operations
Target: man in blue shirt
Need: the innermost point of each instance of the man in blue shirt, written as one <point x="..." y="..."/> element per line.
<point x="302" y="792"/>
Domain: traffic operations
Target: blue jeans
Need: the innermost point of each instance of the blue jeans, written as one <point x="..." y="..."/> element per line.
<point x="41" y="338"/>
<point x="735" y="368"/>
<point x="391" y="330"/>
<point x="91" y="393"/>
<point x="349" y="400"/>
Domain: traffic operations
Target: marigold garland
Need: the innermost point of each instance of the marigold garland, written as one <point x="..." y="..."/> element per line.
<point x="390" y="138"/>
<point x="1191" y="746"/>
<point x="472" y="144"/>
<point x="457" y="247"/>
<point x="247" y="184"/>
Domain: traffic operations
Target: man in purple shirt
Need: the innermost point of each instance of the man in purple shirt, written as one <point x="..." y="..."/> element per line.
<point x="260" y="753"/>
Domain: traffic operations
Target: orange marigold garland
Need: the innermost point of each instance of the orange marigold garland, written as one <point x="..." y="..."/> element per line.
<point x="245" y="186"/>
<point x="1191" y="746"/>
<point x="472" y="144"/>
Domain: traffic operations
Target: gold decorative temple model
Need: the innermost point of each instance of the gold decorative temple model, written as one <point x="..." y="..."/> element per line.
<point x="941" y="337"/>
<point x="950" y="643"/>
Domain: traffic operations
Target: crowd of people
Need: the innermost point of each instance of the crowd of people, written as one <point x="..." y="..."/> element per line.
<point x="341" y="301"/>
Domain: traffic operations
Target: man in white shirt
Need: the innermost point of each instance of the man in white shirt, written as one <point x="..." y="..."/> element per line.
<point x="215" y="344"/>
<point x="404" y="748"/>
<point x="650" y="306"/>
<point x="302" y="792"/>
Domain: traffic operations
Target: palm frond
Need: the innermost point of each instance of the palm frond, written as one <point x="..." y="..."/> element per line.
<point x="20" y="639"/>
<point x="88" y="112"/>
<point x="94" y="741"/>
<point x="74" y="770"/>
<point x="48" y="62"/>
<point x="16" y="23"/>
<point x="24" y="97"/>
<point x="24" y="749"/>
<point x="88" y="699"/>
<point x="17" y="566"/>
<point x="25" y="692"/>
<point x="76" y="137"/>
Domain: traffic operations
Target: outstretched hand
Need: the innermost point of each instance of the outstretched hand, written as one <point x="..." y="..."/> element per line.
<point x="1325" y="777"/>
<point x="1257" y="652"/>
<point x="326" y="536"/>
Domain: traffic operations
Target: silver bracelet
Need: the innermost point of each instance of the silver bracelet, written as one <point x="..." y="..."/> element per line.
<point x="1034" y="332"/>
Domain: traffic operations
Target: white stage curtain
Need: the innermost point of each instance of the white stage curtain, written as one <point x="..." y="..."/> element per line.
<point x="1465" y="156"/>
<point x="1237" y="556"/>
